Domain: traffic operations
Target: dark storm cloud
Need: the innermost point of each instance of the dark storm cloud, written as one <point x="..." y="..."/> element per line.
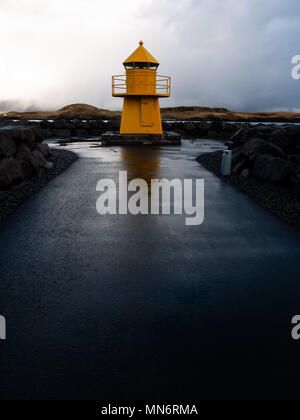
<point x="236" y="54"/>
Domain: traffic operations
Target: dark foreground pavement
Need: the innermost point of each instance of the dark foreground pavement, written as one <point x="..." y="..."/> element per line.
<point x="125" y="307"/>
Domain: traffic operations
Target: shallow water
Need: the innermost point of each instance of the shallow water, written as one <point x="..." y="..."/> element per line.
<point x="87" y="146"/>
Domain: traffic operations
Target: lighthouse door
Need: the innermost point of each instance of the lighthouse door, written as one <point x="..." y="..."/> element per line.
<point x="147" y="111"/>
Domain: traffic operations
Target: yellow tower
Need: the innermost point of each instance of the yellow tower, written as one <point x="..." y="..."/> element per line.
<point x="141" y="89"/>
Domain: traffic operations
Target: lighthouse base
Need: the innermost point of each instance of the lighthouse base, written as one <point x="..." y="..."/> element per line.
<point x="141" y="115"/>
<point x="168" y="138"/>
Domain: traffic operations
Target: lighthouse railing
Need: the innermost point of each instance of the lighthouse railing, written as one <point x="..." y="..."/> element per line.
<point x="121" y="86"/>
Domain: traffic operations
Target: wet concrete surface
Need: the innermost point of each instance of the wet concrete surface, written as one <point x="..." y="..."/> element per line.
<point x="144" y="307"/>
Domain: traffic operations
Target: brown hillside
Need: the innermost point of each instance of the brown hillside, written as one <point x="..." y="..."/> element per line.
<point x="203" y="113"/>
<point x="83" y="111"/>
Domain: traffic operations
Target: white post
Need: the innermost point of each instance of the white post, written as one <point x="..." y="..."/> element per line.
<point x="2" y="328"/>
<point x="226" y="162"/>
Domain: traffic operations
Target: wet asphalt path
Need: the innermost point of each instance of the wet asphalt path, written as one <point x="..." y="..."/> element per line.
<point x="143" y="307"/>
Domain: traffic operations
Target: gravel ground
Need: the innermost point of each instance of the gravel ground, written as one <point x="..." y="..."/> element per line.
<point x="10" y="199"/>
<point x="278" y="199"/>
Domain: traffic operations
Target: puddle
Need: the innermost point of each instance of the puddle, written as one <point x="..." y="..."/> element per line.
<point x="93" y="148"/>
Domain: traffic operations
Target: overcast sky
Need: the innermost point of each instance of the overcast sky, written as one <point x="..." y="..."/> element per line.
<point x="220" y="53"/>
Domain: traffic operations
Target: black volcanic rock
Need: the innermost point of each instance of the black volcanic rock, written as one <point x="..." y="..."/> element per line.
<point x="10" y="172"/>
<point x="21" y="154"/>
<point x="7" y="145"/>
<point x="271" y="169"/>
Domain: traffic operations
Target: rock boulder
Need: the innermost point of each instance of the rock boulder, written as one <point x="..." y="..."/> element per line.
<point x="44" y="149"/>
<point x="7" y="145"/>
<point x="10" y="172"/>
<point x="271" y="169"/>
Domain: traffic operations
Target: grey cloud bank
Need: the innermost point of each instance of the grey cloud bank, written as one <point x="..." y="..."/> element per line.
<point x="230" y="54"/>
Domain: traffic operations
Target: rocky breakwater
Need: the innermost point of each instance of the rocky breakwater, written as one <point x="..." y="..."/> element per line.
<point x="202" y="129"/>
<point x="66" y="128"/>
<point x="22" y="155"/>
<point x="269" y="154"/>
<point x="266" y="167"/>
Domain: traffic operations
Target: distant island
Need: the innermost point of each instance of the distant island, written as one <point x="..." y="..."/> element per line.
<point x="182" y="113"/>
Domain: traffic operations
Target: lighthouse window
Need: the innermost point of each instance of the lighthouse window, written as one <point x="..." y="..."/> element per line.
<point x="129" y="66"/>
<point x="141" y="65"/>
<point x="153" y="66"/>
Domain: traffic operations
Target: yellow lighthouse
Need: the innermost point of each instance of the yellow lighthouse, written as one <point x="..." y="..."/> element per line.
<point x="141" y="89"/>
